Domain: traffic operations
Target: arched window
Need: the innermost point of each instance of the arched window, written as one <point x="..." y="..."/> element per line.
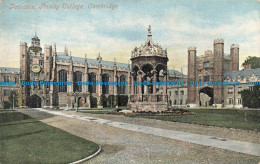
<point x="62" y="78"/>
<point x="92" y="80"/>
<point x="105" y="88"/>
<point x="121" y="89"/>
<point x="77" y="76"/>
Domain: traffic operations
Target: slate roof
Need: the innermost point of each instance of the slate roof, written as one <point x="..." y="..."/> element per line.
<point x="246" y="73"/>
<point x="9" y="70"/>
<point x="91" y="62"/>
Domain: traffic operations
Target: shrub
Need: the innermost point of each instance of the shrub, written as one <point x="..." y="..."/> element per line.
<point x="93" y="102"/>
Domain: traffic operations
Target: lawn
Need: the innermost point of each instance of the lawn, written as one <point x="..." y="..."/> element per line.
<point x="26" y="140"/>
<point x="230" y="118"/>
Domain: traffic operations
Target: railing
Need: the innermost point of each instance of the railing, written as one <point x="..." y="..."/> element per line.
<point x="148" y="98"/>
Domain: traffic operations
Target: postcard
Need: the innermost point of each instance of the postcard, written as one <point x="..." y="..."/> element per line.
<point x="129" y="81"/>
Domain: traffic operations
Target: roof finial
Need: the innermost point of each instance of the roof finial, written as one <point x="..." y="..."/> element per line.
<point x="66" y="50"/>
<point x="35" y="33"/>
<point x="86" y="60"/>
<point x="149" y="31"/>
<point x="114" y="61"/>
<point x="99" y="58"/>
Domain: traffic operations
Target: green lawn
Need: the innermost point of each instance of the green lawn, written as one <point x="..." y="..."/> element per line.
<point x="26" y="140"/>
<point x="238" y="119"/>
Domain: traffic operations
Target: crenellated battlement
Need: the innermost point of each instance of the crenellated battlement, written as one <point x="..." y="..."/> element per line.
<point x="234" y="46"/>
<point x="219" y="41"/>
<point x="192" y="48"/>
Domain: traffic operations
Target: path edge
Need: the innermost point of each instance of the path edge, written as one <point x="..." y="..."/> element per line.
<point x="87" y="158"/>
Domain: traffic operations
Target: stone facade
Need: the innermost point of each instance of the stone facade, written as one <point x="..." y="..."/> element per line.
<point x="232" y="97"/>
<point x="210" y="67"/>
<point x="217" y="66"/>
<point x="8" y="75"/>
<point x="53" y="66"/>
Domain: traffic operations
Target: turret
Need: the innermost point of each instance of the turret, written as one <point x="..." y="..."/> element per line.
<point x="47" y="61"/>
<point x="192" y="52"/>
<point x="218" y="57"/>
<point x="234" y="53"/>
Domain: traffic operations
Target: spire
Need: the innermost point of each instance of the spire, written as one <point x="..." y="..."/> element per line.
<point x="99" y="58"/>
<point x="35" y="33"/>
<point x="66" y="50"/>
<point x="128" y="64"/>
<point x="86" y="60"/>
<point x="55" y="50"/>
<point x="114" y="61"/>
<point x="149" y="33"/>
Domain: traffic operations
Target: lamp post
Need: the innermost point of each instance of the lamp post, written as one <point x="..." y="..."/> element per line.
<point x="13" y="97"/>
<point x="76" y="96"/>
<point x="234" y="96"/>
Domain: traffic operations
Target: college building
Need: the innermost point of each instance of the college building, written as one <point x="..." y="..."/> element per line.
<point x="216" y="66"/>
<point x="44" y="65"/>
<point x="148" y="64"/>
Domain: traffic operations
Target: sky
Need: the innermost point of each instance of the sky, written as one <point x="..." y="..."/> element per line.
<point x="175" y="25"/>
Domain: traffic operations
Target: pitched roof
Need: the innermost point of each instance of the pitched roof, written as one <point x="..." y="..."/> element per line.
<point x="246" y="73"/>
<point x="9" y="70"/>
<point x="65" y="58"/>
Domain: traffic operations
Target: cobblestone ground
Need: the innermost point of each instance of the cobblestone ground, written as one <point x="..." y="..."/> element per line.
<point x="124" y="146"/>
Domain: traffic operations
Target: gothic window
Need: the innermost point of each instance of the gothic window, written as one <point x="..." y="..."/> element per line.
<point x="239" y="100"/>
<point x="206" y="78"/>
<point x="41" y="62"/>
<point x="92" y="81"/>
<point x="230" y="90"/>
<point x="16" y="80"/>
<point x="240" y="89"/>
<point x="77" y="76"/>
<point x="62" y="78"/>
<point x="7" y="79"/>
<point x="122" y="87"/>
<point x="230" y="101"/>
<point x="105" y="86"/>
<point x="35" y="74"/>
<point x="6" y="93"/>
<point x="206" y="64"/>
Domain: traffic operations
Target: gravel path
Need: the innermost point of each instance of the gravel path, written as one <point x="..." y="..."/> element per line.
<point x="124" y="146"/>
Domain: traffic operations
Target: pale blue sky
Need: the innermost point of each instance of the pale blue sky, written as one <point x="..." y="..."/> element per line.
<point x="175" y="25"/>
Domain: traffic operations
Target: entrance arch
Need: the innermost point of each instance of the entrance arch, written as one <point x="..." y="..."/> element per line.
<point x="206" y="96"/>
<point x="80" y="102"/>
<point x="35" y="101"/>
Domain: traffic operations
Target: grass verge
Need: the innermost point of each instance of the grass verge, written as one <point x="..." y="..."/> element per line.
<point x="26" y="140"/>
<point x="237" y="119"/>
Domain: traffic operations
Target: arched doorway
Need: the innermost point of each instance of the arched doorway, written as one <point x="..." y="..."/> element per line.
<point x="206" y="96"/>
<point x="80" y="102"/>
<point x="35" y="101"/>
<point x="148" y="77"/>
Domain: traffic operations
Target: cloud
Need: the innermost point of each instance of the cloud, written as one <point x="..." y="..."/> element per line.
<point x="116" y="34"/>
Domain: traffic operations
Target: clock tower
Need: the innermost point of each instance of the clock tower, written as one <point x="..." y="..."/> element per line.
<point x="35" y="66"/>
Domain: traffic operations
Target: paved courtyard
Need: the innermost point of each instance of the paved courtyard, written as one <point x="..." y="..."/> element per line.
<point x="138" y="140"/>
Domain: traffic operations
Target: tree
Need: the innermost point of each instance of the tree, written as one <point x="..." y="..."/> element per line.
<point x="13" y="98"/>
<point x="20" y="97"/>
<point x="251" y="99"/>
<point x="253" y="60"/>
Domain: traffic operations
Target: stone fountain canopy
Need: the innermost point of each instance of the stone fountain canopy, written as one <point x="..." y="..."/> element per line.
<point x="149" y="48"/>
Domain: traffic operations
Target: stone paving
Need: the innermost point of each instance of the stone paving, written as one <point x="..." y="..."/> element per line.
<point x="142" y="144"/>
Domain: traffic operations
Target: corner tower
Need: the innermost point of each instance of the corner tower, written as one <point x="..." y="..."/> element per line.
<point x="192" y="52"/>
<point x="218" y="59"/>
<point x="234" y="52"/>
